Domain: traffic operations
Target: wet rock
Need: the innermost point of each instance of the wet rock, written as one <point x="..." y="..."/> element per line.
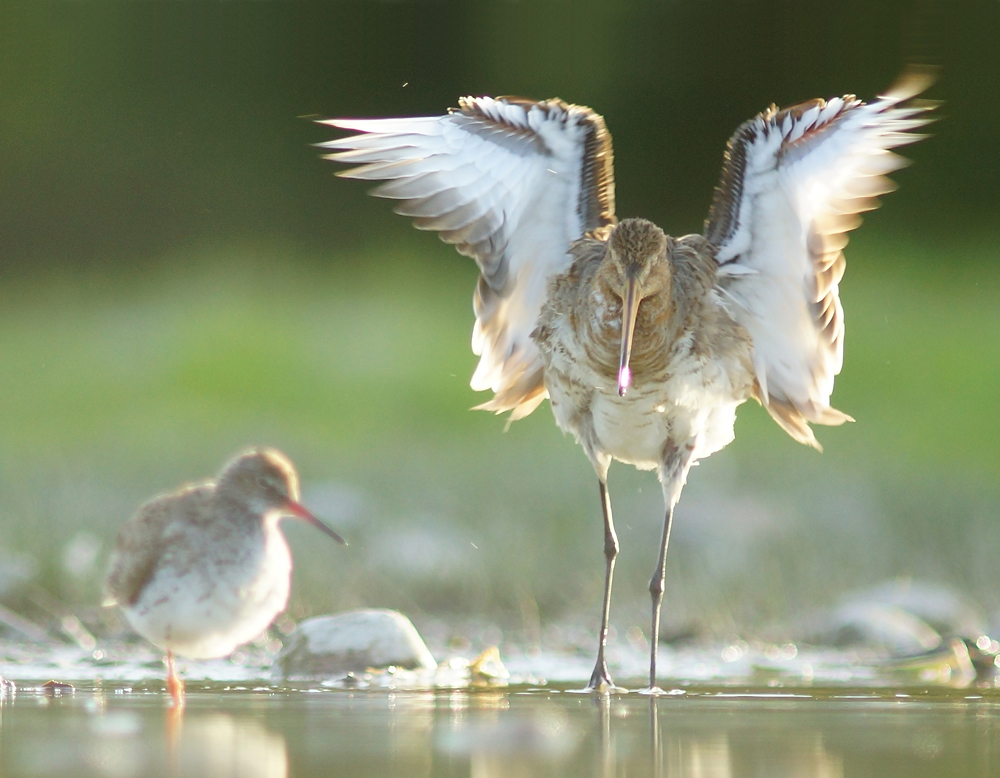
<point x="487" y="668"/>
<point x="950" y="664"/>
<point x="902" y="618"/>
<point x="941" y="607"/>
<point x="884" y="626"/>
<point x="57" y="688"/>
<point x="353" y="642"/>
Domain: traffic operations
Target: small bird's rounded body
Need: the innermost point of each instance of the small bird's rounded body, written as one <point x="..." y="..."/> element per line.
<point x="215" y="588"/>
<point x="203" y="569"/>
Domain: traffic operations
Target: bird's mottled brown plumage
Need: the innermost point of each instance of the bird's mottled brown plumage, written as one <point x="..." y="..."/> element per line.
<point x="680" y="328"/>
<point x="248" y="487"/>
<point x="142" y="542"/>
<point x="204" y="569"/>
<point x="748" y="309"/>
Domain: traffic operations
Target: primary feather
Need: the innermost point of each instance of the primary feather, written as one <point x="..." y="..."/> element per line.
<point x="647" y="344"/>
<point x="793" y="184"/>
<point x="511" y="183"/>
<point x="515" y="183"/>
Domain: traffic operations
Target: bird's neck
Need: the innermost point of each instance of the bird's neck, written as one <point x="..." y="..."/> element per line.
<point x="239" y="509"/>
<point x="652" y="337"/>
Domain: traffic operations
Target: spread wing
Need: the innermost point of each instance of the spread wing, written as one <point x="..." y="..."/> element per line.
<point x="509" y="182"/>
<point x="793" y="184"/>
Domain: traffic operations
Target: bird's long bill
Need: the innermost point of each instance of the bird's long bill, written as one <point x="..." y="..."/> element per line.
<point x="630" y="307"/>
<point x="301" y="512"/>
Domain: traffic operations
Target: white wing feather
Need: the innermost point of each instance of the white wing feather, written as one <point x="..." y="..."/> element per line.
<point x="792" y="185"/>
<point x="511" y="183"/>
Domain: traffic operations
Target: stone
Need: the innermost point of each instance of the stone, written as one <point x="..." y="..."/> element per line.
<point x="487" y="668"/>
<point x="875" y="624"/>
<point x="945" y="609"/>
<point x="902" y="618"/>
<point x="354" y="642"/>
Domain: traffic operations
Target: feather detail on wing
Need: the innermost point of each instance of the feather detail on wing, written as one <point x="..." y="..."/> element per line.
<point x="509" y="182"/>
<point x="793" y="184"/>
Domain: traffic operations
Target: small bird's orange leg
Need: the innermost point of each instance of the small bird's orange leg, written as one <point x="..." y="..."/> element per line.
<point x="174" y="684"/>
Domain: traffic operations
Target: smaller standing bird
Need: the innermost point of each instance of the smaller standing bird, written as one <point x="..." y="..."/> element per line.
<point x="204" y="569"/>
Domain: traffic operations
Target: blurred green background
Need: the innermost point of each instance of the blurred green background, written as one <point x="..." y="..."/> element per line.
<point x="182" y="276"/>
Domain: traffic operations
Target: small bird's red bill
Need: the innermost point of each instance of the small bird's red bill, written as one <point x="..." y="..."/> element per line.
<point x="300" y="511"/>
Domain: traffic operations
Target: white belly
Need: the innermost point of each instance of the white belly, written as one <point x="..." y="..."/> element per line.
<point x="209" y="610"/>
<point x="692" y="406"/>
<point x="636" y="432"/>
<point x="632" y="429"/>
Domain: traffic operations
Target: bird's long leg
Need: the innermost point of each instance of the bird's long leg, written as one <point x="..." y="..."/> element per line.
<point x="600" y="680"/>
<point x="676" y="463"/>
<point x="656" y="590"/>
<point x="174" y="684"/>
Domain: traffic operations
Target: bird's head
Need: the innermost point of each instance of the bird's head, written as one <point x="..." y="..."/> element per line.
<point x="265" y="481"/>
<point x="637" y="260"/>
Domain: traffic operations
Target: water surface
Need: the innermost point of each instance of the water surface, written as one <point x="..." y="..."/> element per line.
<point x="738" y="718"/>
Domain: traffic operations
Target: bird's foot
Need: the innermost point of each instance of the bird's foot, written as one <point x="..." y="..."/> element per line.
<point x="600" y="681"/>
<point x="174" y="684"/>
<point x="656" y="691"/>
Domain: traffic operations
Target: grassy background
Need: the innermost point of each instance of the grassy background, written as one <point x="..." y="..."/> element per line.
<point x="181" y="277"/>
<point x="119" y="385"/>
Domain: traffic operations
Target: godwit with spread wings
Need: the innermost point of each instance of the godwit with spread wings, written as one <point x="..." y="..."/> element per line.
<point x="645" y="344"/>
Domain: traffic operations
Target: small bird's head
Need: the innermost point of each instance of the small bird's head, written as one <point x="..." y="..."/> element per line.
<point x="637" y="258"/>
<point x="265" y="480"/>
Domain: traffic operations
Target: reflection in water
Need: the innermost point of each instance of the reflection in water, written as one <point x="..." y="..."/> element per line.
<point x="717" y="755"/>
<point x="510" y="733"/>
<point x="89" y="737"/>
<point x="607" y="741"/>
<point x="513" y="745"/>
<point x="681" y="753"/>
<point x="698" y="757"/>
<point x="222" y="746"/>
<point x="215" y="744"/>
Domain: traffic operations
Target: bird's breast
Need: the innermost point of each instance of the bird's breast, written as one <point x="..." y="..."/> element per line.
<point x="633" y="429"/>
<point x="679" y="394"/>
<point x="218" y="599"/>
<point x="598" y="332"/>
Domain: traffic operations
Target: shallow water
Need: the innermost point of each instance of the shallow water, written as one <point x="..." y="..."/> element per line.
<point x="127" y="730"/>
<point x="735" y="710"/>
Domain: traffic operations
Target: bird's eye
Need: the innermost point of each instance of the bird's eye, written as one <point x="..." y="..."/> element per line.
<point x="262" y="482"/>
